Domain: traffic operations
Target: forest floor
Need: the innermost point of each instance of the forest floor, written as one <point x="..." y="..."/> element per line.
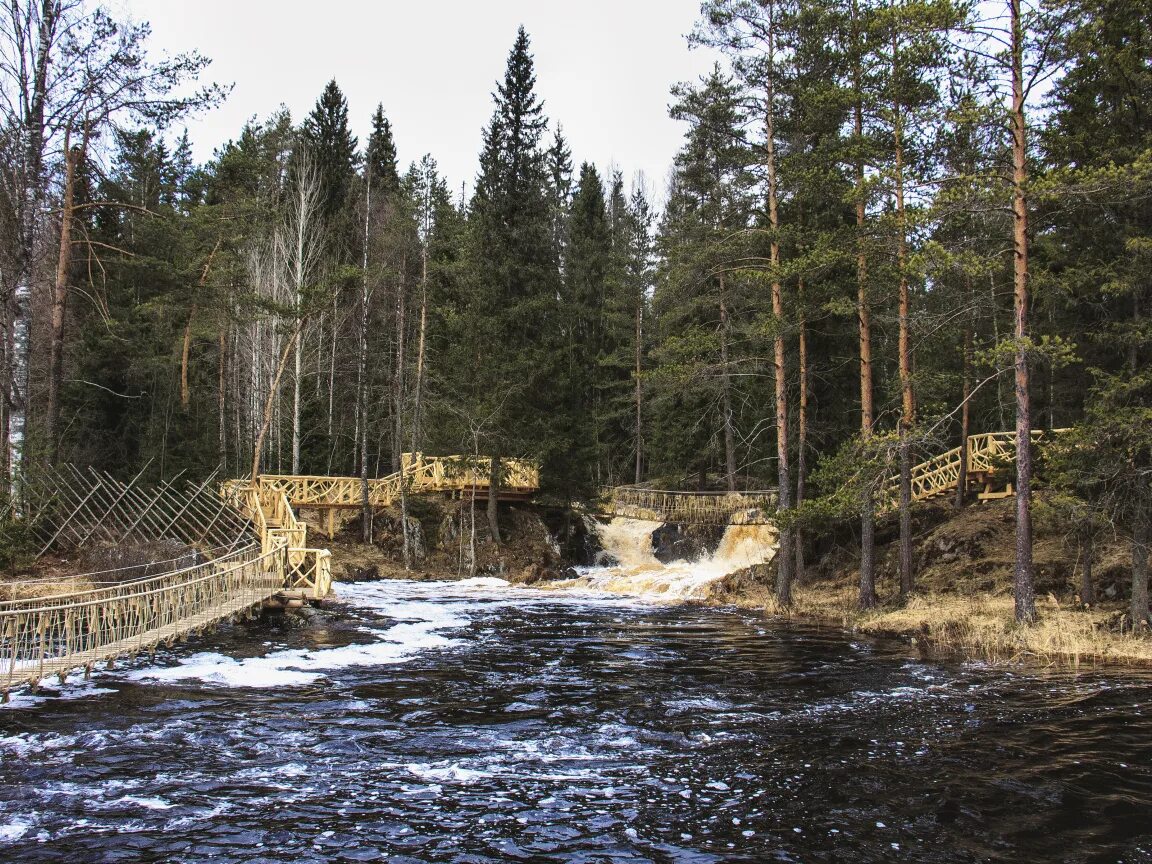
<point x="962" y="603"/>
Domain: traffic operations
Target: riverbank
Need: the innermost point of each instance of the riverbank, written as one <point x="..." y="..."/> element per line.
<point x="963" y="604"/>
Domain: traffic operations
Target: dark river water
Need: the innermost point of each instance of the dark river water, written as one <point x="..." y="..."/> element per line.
<point x="433" y="722"/>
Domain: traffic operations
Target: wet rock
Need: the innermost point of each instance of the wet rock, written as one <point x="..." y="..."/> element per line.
<point x="370" y="573"/>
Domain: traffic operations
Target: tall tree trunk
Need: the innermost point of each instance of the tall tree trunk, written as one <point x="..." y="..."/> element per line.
<point x="296" y="384"/>
<point x="802" y="424"/>
<point x="72" y="156"/>
<point x="35" y="85"/>
<point x="398" y="395"/>
<point x="417" y="397"/>
<point x="726" y="396"/>
<point x="637" y="391"/>
<point x="867" y="598"/>
<point x="186" y="348"/>
<point x="1141" y="534"/>
<point x="332" y="379"/>
<point x="185" y="356"/>
<point x="493" y="499"/>
<point x="965" y="397"/>
<point x="366" y="527"/>
<point x="1023" y="580"/>
<point x="270" y="401"/>
<point x="221" y="397"/>
<point x="785" y="561"/>
<point x="907" y="401"/>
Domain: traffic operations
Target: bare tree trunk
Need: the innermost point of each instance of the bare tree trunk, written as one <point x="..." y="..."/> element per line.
<point x="417" y="397"/>
<point x="1141" y="534"/>
<point x="867" y="598"/>
<point x="366" y="527"/>
<point x="221" y="397"/>
<point x="638" y="389"/>
<point x="907" y="399"/>
<point x="271" y="400"/>
<point x="398" y="392"/>
<point x="72" y="156"/>
<point x="298" y="372"/>
<point x="185" y="354"/>
<point x="332" y="378"/>
<point x="802" y="425"/>
<point x="34" y="85"/>
<point x="965" y="398"/>
<point x="493" y="499"/>
<point x="726" y="396"/>
<point x="1023" y="580"/>
<point x="785" y="561"/>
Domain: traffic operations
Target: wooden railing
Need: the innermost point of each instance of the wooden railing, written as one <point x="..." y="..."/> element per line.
<point x="40" y="637"/>
<point x="77" y="628"/>
<point x="936" y="476"/>
<point x="696" y="508"/>
<point x="940" y="474"/>
<point x="419" y="474"/>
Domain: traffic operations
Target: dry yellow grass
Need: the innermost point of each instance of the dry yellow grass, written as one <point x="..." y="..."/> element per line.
<point x="46" y="587"/>
<point x="982" y="626"/>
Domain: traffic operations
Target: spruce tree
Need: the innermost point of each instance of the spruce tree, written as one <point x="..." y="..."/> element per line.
<point x="512" y="320"/>
<point x="332" y="148"/>
<point x="380" y="155"/>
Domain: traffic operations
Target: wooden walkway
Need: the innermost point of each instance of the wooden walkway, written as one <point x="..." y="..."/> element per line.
<point x="453" y="475"/>
<point x="986" y="455"/>
<point x="938" y="476"/>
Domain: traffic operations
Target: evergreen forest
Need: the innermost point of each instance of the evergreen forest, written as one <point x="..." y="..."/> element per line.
<point x="890" y="224"/>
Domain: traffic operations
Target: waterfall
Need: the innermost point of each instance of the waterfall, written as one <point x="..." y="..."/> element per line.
<point x="637" y="571"/>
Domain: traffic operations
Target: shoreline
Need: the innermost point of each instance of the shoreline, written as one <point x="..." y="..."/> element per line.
<point x="972" y="627"/>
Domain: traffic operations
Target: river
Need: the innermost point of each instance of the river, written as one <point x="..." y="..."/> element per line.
<point x="476" y="722"/>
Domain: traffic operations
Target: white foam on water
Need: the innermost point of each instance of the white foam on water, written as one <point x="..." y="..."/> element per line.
<point x="448" y="773"/>
<point x="75" y="687"/>
<point x="483" y="582"/>
<point x="10" y="832"/>
<point x="639" y="573"/>
<point x="418" y="630"/>
<point x="146" y="803"/>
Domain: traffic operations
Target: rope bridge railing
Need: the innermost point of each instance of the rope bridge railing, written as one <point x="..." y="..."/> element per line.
<point x="92" y="620"/>
<point x="40" y="637"/>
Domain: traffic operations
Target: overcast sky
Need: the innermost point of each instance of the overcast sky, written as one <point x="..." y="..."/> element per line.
<point x="604" y="69"/>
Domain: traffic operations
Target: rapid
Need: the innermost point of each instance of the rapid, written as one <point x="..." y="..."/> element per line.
<point x="481" y="722"/>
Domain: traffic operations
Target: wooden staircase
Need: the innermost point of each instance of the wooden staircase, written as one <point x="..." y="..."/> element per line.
<point x="939" y="475"/>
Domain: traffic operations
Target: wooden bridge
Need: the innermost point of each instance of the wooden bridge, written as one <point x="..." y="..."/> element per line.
<point x="45" y="635"/>
<point x="986" y="455"/>
<point x="458" y="476"/>
<point x="99" y="619"/>
<point x="693" y="508"/>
